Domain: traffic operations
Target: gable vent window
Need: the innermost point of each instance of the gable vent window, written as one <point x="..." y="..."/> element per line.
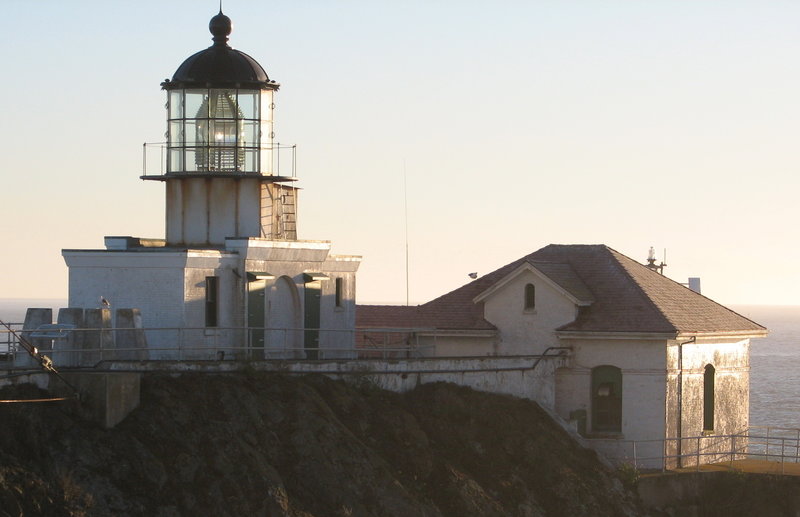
<point x="530" y="297"/>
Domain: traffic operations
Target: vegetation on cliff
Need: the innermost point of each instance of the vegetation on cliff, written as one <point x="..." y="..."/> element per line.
<point x="253" y="444"/>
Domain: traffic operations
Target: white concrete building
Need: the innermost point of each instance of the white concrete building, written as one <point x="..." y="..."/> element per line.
<point x="230" y="276"/>
<point x="647" y="358"/>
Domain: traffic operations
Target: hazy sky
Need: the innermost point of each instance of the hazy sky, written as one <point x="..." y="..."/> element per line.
<point x="628" y="123"/>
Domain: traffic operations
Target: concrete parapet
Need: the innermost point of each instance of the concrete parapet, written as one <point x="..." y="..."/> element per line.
<point x="130" y="339"/>
<point x="65" y="350"/>
<point x="34" y="318"/>
<point x="98" y="337"/>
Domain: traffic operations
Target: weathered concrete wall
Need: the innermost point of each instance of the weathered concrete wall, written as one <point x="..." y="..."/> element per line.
<point x="509" y="375"/>
<point x="130" y="341"/>
<point x="150" y="280"/>
<point x="98" y="340"/>
<point x="106" y="398"/>
<point x="205" y="211"/>
<point x="730" y="359"/>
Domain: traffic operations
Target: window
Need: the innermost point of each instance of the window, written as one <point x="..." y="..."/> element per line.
<point x="339" y="291"/>
<point x="606" y="399"/>
<point x="708" y="398"/>
<point x="212" y="300"/>
<point x="218" y="130"/>
<point x="530" y="297"/>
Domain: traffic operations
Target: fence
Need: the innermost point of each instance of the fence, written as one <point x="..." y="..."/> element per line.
<point x="85" y="347"/>
<point x="776" y="444"/>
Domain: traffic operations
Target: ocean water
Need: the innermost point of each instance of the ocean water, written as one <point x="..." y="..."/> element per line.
<point x="774" y="360"/>
<point x="775" y="366"/>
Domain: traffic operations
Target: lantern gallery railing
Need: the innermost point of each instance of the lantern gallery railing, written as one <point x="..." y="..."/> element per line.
<point x="268" y="160"/>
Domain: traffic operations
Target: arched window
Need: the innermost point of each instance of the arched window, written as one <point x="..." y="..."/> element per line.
<point x="530" y="297"/>
<point x="708" y="398"/>
<point x="606" y="399"/>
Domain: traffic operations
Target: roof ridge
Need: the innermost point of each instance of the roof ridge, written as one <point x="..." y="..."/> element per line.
<point x="618" y="263"/>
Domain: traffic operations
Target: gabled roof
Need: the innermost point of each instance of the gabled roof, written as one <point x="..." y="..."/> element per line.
<point x="627" y="297"/>
<point x="560" y="276"/>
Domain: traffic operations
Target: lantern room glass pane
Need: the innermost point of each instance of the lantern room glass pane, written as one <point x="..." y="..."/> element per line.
<point x="223" y="132"/>
<point x="196" y="132"/>
<point x="248" y="104"/>
<point x="222" y="104"/>
<point x="196" y="103"/>
<point x="176" y="104"/>
<point x="249" y="134"/>
<point x="176" y="133"/>
<point x="265" y="157"/>
<point x="191" y="160"/>
<point x="175" y="160"/>
<point x="250" y="160"/>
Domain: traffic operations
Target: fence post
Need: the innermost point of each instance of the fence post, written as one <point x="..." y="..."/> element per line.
<point x="698" y="453"/>
<point x="783" y="456"/>
<point x="766" y="447"/>
<point x="635" y="460"/>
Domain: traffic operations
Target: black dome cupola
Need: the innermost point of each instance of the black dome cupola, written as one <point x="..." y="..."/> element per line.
<point x="220" y="65"/>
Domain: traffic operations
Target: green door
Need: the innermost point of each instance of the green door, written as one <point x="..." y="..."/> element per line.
<point x="311" y="317"/>
<point x="256" y="296"/>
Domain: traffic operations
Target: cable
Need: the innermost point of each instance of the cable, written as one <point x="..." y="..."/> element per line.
<point x="44" y="361"/>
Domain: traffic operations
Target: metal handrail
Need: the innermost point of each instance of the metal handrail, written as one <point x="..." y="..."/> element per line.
<point x="191" y="340"/>
<point x="756" y="442"/>
<point x="149" y="148"/>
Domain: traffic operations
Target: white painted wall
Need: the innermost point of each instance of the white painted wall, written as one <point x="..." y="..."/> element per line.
<point x="527" y="331"/>
<point x="643" y="365"/>
<point x="205" y="211"/>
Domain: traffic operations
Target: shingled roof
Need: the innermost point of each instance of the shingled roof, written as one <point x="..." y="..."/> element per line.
<point x="626" y="297"/>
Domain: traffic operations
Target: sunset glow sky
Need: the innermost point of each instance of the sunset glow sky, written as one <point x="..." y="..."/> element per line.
<point x="519" y="124"/>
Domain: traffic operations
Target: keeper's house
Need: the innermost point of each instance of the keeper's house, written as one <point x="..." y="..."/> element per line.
<point x="647" y="358"/>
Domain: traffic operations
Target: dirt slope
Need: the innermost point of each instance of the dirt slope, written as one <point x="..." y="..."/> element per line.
<point x="253" y="444"/>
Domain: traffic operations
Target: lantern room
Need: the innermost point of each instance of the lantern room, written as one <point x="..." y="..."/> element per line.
<point x="219" y="111"/>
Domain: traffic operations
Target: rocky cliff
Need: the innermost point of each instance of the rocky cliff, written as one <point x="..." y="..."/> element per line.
<point x="253" y="444"/>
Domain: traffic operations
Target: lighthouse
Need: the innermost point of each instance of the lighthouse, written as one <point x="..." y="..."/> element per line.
<point x="221" y="175"/>
<point x="230" y="274"/>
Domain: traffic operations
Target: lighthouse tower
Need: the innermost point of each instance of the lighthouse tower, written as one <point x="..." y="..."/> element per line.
<point x="221" y="175"/>
<point x="230" y="275"/>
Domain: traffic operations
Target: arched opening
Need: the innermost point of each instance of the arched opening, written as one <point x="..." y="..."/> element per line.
<point x="530" y="297"/>
<point x="606" y="399"/>
<point x="283" y="319"/>
<point x="708" y="398"/>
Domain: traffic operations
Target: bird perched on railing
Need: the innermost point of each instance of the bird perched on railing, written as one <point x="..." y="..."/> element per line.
<point x="104" y="304"/>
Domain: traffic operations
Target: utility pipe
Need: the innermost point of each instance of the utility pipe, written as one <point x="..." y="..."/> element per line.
<point x="693" y="339"/>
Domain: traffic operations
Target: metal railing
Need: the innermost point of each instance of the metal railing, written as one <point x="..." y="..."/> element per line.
<point x="775" y="444"/>
<point x="274" y="159"/>
<point x="86" y="347"/>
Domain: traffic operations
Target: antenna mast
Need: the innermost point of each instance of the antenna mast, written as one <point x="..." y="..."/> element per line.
<point x="405" y="216"/>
